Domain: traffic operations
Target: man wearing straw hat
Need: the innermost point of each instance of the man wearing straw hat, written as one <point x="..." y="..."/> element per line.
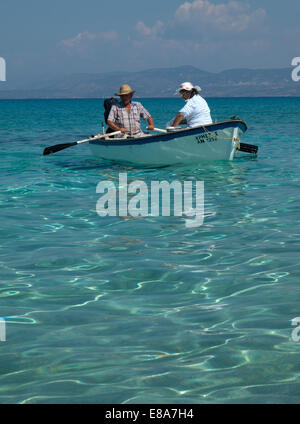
<point x="125" y="116"/>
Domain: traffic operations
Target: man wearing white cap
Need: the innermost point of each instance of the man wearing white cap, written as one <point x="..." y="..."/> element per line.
<point x="196" y="111"/>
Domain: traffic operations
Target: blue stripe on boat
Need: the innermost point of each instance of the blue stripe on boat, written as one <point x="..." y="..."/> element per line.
<point x="171" y="135"/>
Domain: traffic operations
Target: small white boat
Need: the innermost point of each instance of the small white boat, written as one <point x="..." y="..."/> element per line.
<point x="218" y="141"/>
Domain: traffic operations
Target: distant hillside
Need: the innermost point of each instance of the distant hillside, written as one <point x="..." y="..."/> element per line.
<point x="163" y="83"/>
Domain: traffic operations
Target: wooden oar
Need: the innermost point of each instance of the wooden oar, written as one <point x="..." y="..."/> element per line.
<point x="58" y="147"/>
<point x="243" y="147"/>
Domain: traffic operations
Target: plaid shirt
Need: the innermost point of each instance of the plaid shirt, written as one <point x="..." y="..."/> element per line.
<point x="131" y="121"/>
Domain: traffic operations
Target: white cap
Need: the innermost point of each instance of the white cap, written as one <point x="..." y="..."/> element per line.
<point x="188" y="86"/>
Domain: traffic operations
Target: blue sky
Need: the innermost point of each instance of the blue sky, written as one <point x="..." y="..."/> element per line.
<point x="43" y="39"/>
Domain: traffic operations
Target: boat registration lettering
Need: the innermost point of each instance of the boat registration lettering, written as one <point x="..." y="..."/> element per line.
<point x="206" y="137"/>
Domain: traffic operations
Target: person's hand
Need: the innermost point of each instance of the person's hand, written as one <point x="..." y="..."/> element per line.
<point x="123" y="130"/>
<point x="150" y="127"/>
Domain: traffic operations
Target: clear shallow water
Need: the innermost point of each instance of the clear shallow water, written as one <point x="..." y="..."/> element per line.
<point x="114" y="310"/>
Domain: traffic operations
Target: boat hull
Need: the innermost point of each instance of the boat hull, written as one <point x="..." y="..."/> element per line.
<point x="211" y="142"/>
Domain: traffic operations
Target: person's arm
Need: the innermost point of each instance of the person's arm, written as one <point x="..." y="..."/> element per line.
<point x="146" y="115"/>
<point x="150" y="124"/>
<point x="178" y="120"/>
<point x="115" y="127"/>
<point x="111" y="120"/>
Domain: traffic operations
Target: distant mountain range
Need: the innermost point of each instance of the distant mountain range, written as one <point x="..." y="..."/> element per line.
<point x="163" y="83"/>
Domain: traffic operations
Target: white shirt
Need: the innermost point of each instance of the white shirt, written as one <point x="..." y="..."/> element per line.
<point x="196" y="112"/>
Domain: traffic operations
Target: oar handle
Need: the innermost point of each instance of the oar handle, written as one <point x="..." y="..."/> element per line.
<point x="166" y="131"/>
<point x="96" y="137"/>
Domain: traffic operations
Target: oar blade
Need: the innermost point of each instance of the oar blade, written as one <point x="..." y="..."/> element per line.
<point x="57" y="148"/>
<point x="248" y="148"/>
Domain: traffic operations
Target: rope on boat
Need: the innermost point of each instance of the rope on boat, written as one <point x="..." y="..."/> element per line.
<point x="224" y="138"/>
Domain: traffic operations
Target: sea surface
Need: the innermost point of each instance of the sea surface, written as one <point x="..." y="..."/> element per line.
<point x="146" y="310"/>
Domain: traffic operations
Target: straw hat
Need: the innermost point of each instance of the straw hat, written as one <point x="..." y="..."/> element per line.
<point x="125" y="89"/>
<point x="187" y="86"/>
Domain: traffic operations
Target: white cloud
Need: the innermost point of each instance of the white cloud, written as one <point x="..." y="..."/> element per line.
<point x="202" y="30"/>
<point x="85" y="38"/>
<point x="233" y="16"/>
<point x="156" y="30"/>
<point x="203" y="20"/>
<point x="198" y="32"/>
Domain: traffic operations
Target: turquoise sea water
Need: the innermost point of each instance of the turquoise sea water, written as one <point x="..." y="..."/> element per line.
<point x="145" y="310"/>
